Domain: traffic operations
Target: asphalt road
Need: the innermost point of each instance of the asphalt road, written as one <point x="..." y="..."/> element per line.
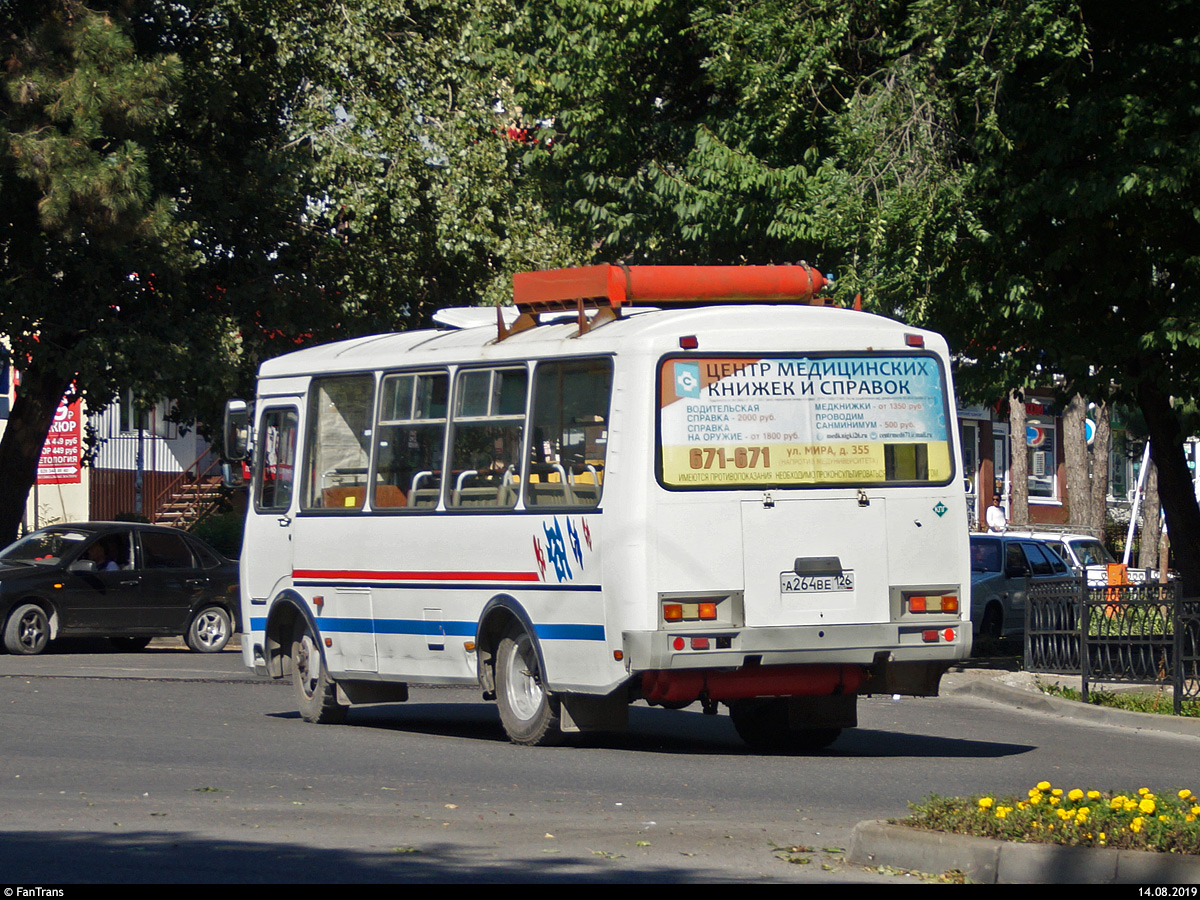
<point x="176" y="767"/>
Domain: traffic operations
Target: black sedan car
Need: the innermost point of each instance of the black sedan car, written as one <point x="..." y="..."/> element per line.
<point x="118" y="580"/>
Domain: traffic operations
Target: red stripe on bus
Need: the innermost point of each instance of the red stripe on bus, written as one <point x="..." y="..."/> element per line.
<point x="347" y="575"/>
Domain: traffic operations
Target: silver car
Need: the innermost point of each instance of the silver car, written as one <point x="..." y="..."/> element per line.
<point x="1001" y="568"/>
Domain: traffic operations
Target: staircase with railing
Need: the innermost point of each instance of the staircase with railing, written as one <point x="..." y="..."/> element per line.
<point x="192" y="495"/>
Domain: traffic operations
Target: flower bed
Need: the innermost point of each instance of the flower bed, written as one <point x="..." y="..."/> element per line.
<point x="1141" y="820"/>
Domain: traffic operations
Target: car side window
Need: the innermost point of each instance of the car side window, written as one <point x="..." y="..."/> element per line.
<point x="1039" y="561"/>
<point x="161" y="550"/>
<point x="1014" y="560"/>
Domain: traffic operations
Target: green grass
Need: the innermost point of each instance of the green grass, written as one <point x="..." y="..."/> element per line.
<point x="1157" y="701"/>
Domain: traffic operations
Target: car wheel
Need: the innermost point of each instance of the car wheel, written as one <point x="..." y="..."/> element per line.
<point x="528" y="712"/>
<point x="993" y="623"/>
<point x="763" y="724"/>
<point x="316" y="692"/>
<point x="27" y="631"/>
<point x="129" y="644"/>
<point x="209" y="630"/>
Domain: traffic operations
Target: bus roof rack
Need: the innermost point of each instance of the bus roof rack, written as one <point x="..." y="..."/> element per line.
<point x="609" y="288"/>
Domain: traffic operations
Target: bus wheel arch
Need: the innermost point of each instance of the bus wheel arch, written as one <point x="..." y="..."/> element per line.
<point x="512" y="670"/>
<point x="501" y="614"/>
<point x="280" y="632"/>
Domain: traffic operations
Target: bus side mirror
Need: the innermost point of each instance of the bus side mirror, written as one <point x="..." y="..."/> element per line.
<point x="237" y="430"/>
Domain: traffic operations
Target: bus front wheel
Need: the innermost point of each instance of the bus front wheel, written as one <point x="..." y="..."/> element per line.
<point x="528" y="712"/>
<point x="316" y="693"/>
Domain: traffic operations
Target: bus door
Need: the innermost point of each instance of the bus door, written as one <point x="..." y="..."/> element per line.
<point x="267" y="570"/>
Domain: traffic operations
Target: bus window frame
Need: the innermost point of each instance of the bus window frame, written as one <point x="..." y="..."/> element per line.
<point x="309" y="442"/>
<point x="945" y="390"/>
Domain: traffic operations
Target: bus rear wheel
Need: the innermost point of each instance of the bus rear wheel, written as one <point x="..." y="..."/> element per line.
<point x="528" y="712"/>
<point x="316" y="693"/>
<point x="764" y="725"/>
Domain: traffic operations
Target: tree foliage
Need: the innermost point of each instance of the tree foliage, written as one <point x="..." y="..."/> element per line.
<point x="189" y="187"/>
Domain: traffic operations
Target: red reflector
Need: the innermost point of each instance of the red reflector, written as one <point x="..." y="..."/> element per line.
<point x="930" y="637"/>
<point x="916" y="604"/>
<point x="618" y="655"/>
<point x="673" y="612"/>
<point x="950" y="604"/>
<point x="689" y="342"/>
<point x="708" y="610"/>
<point x="914" y="340"/>
<point x="948" y="634"/>
<point x="318" y="600"/>
<point x="699" y="643"/>
<point x="678" y="643"/>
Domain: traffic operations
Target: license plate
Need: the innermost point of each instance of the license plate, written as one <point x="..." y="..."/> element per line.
<point x="791" y="583"/>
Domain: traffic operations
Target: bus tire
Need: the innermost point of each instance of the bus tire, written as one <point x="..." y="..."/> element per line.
<point x="763" y="725"/>
<point x="528" y="712"/>
<point x="316" y="692"/>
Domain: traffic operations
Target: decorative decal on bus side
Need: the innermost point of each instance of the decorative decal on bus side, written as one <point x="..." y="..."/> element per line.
<point x="561" y="546"/>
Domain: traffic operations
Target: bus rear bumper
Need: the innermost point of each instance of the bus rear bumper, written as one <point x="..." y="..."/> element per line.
<point x="891" y="658"/>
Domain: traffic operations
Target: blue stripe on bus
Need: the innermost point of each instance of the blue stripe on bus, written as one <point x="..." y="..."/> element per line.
<point x="546" y="632"/>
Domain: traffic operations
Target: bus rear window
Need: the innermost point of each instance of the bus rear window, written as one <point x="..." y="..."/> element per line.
<point x="820" y="420"/>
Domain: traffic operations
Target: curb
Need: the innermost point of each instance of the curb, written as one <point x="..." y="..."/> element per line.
<point x="1036" y="701"/>
<point x="999" y="862"/>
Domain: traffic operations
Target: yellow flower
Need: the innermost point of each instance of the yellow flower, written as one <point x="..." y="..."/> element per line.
<point x="1164" y="818"/>
<point x="985" y="802"/>
<point x="1185" y="794"/>
<point x="1136" y="825"/>
<point x="1057" y="792"/>
<point x="1093" y="795"/>
<point x="1075" y="796"/>
<point x="1054" y="801"/>
<point x="1043" y="786"/>
<point x="1146" y="806"/>
<point x="1143" y="791"/>
<point x="1064" y="814"/>
<point x="1196" y="810"/>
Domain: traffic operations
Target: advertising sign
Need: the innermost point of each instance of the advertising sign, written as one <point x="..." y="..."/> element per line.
<point x="877" y="418"/>
<point x="62" y="454"/>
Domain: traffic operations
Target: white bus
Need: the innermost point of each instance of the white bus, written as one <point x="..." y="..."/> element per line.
<point x="741" y="496"/>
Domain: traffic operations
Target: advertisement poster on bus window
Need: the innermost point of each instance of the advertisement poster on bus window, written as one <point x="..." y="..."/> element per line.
<point x="877" y="418"/>
<point x="62" y="454"/>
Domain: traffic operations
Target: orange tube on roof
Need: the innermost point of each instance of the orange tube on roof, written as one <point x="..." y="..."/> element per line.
<point x="616" y="286"/>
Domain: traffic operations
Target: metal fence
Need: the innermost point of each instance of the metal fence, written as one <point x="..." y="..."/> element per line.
<point x="1132" y="634"/>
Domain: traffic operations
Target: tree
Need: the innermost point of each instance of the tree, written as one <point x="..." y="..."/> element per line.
<point x="187" y="188"/>
<point x="1022" y="177"/>
<point x="88" y="243"/>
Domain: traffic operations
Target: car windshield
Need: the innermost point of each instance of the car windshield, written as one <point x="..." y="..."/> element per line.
<point x="44" y="547"/>
<point x="985" y="555"/>
<point x="1091" y="553"/>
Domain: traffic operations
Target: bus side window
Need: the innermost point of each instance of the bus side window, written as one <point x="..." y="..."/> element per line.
<point x="409" y="441"/>
<point x="488" y="430"/>
<point x="570" y="433"/>
<point x="338" y="442"/>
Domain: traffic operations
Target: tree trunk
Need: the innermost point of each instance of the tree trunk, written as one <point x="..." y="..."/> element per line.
<point x="1101" y="452"/>
<point x="1018" y="463"/>
<point x="1079" y="495"/>
<point x="32" y="414"/>
<point x="1151" y="516"/>
<point x="1174" y="483"/>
